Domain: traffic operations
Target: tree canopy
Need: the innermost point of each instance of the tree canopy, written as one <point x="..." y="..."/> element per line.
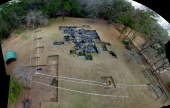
<point x="15" y="14"/>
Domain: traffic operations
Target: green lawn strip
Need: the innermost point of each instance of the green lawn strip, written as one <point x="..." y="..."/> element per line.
<point x="25" y="37"/>
<point x="88" y="55"/>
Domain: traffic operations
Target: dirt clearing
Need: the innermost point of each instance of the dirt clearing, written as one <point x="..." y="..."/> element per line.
<point x="79" y="81"/>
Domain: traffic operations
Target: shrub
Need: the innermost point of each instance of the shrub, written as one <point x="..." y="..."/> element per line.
<point x="168" y="83"/>
<point x="19" y="32"/>
<point x="15" y="90"/>
<point x="88" y="56"/>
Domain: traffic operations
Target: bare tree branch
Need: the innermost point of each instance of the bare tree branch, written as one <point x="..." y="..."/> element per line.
<point x="24" y="73"/>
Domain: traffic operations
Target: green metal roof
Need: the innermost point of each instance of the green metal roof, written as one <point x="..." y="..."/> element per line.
<point x="10" y="54"/>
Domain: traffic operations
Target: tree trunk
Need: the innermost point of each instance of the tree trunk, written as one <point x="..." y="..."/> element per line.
<point x="63" y="16"/>
<point x="159" y="54"/>
<point x="128" y="34"/>
<point x="160" y="67"/>
<point x="133" y="37"/>
<point x="153" y="55"/>
<point x="148" y="46"/>
<point x="62" y="5"/>
<point x="120" y="36"/>
<point x="159" y="60"/>
<point x="54" y="14"/>
<point x="142" y="52"/>
<point x="143" y="49"/>
<point x="122" y="32"/>
<point x="146" y="41"/>
<point x="73" y="13"/>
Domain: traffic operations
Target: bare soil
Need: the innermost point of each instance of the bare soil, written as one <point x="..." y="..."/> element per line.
<point x="75" y="72"/>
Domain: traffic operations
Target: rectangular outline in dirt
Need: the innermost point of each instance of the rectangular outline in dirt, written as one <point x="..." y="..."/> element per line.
<point x="56" y="72"/>
<point x="110" y="77"/>
<point x="36" y="49"/>
<point x="37" y="38"/>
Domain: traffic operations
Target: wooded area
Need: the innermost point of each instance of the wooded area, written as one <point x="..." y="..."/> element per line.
<point x="27" y="13"/>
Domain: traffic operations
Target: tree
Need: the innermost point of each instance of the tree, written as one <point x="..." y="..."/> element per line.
<point x="50" y="7"/>
<point x="152" y="45"/>
<point x="62" y="8"/>
<point x="93" y="9"/>
<point x="165" y="65"/>
<point x="157" y="33"/>
<point x="134" y="35"/>
<point x="75" y="9"/>
<point x="115" y="8"/>
<point x="5" y="22"/>
<point x="24" y="74"/>
<point x="107" y="9"/>
<point x="4" y="27"/>
<point x="127" y="34"/>
<point x="134" y="56"/>
<point x="127" y="21"/>
<point x="15" y="90"/>
<point x="83" y="3"/>
<point x="168" y="83"/>
<point x="144" y="19"/>
<point x="167" y="27"/>
<point x="159" y="51"/>
<point x="14" y="12"/>
<point x="36" y="18"/>
<point x="11" y="16"/>
<point x="122" y="31"/>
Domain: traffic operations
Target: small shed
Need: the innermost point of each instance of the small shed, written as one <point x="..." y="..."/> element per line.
<point x="10" y="56"/>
